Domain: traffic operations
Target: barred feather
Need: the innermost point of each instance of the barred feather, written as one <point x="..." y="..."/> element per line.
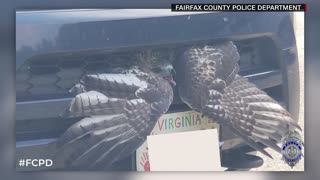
<point x="208" y="82"/>
<point x="118" y="111"/>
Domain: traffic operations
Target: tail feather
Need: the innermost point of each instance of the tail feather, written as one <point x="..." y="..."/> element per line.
<point x="94" y="103"/>
<point x="250" y="142"/>
<point x="87" y="126"/>
<point x="265" y="139"/>
<point x="93" y="139"/>
<point x="253" y="115"/>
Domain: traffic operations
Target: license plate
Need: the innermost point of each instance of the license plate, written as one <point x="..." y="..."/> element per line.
<point x="173" y="123"/>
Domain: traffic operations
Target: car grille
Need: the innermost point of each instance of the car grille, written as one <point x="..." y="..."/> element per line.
<point x="51" y="76"/>
<point x="43" y="82"/>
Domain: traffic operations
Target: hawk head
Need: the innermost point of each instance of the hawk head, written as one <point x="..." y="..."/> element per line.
<point x="158" y="63"/>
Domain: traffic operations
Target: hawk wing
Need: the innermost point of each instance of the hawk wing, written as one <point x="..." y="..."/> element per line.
<point x="218" y="92"/>
<point x="203" y="69"/>
<point x="118" y="110"/>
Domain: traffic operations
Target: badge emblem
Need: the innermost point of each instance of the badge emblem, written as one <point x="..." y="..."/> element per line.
<point x="292" y="148"/>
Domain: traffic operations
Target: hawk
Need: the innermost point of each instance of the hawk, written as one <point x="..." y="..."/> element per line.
<point x="208" y="82"/>
<point x="118" y="111"/>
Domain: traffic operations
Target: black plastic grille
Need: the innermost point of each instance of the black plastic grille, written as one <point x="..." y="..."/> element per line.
<point x="56" y="76"/>
<point x="51" y="76"/>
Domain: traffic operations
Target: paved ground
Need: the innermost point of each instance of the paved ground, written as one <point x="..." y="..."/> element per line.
<point x="277" y="164"/>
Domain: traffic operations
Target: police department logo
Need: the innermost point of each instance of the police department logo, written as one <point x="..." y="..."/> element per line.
<point x="292" y="148"/>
